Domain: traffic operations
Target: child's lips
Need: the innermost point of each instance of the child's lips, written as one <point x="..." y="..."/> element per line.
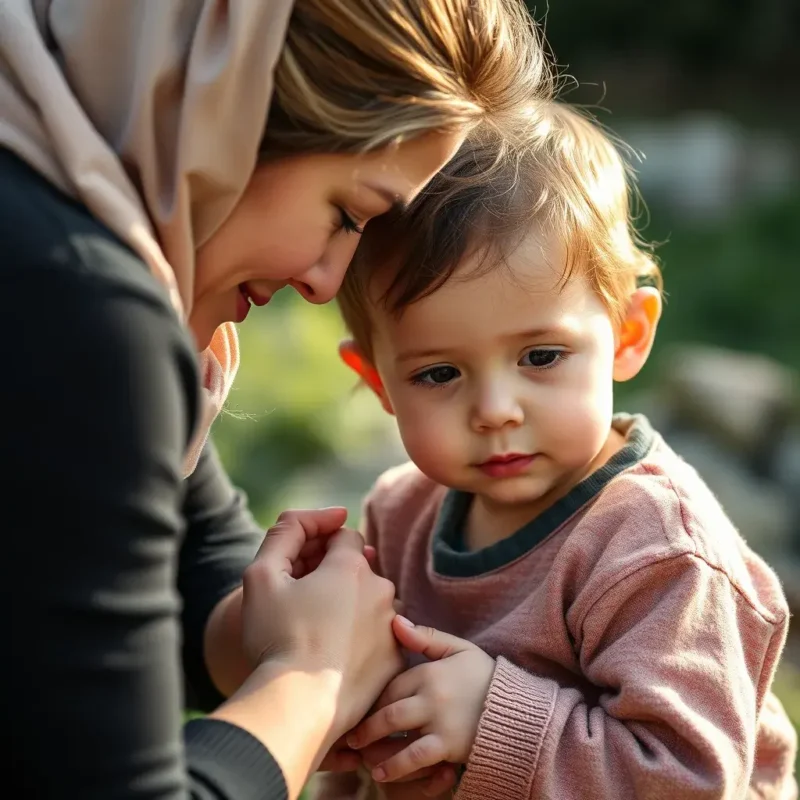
<point x="507" y="465"/>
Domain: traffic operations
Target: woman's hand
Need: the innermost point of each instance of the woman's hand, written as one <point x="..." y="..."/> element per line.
<point x="337" y="617"/>
<point x="323" y="642"/>
<point x="225" y="660"/>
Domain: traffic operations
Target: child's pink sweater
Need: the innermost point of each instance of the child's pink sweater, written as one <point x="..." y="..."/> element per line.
<point x="636" y="634"/>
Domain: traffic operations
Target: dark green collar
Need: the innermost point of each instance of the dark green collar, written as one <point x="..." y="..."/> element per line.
<point x="451" y="559"/>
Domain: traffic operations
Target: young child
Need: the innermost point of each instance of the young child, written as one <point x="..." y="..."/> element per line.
<point x="616" y="637"/>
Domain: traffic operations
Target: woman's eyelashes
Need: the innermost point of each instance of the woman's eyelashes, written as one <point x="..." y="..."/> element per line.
<point x="348" y="224"/>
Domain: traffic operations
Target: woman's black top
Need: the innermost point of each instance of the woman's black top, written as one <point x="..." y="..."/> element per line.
<point x="114" y="561"/>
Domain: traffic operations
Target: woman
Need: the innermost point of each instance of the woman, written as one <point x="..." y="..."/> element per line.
<point x="144" y="208"/>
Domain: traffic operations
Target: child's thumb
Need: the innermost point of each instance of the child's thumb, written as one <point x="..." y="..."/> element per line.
<point x="430" y="642"/>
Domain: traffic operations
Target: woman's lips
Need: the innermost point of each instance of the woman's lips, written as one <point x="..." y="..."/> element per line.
<point x="258" y="299"/>
<point x="242" y="304"/>
<point x="244" y="298"/>
<point x="507" y="466"/>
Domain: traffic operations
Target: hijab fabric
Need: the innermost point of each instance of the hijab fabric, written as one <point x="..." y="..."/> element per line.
<point x="150" y="113"/>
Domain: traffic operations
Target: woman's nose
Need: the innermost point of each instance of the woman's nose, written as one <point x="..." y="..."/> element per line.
<point x="320" y="283"/>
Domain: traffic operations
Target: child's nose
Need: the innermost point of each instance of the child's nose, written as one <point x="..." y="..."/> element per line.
<point x="496" y="407"/>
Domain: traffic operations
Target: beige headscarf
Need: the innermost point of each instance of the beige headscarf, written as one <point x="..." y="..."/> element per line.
<point x="150" y="112"/>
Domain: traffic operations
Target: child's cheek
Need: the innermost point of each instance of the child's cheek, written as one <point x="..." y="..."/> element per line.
<point x="431" y="440"/>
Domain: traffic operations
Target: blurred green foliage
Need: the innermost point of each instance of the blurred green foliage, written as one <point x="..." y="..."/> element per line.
<point x="712" y="34"/>
<point x="734" y="283"/>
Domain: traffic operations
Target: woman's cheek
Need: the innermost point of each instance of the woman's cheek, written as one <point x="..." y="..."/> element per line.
<point x="291" y="256"/>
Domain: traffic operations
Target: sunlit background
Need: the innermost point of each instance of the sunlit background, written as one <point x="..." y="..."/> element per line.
<point x="706" y="91"/>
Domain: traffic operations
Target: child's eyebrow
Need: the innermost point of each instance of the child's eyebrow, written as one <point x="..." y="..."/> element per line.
<point x="536" y="333"/>
<point x="413" y="355"/>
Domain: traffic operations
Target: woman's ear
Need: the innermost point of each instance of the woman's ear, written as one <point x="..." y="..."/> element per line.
<point x="638" y="330"/>
<point x="351" y="354"/>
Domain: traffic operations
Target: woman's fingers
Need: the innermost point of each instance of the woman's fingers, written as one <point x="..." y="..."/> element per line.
<point x="408" y="714"/>
<point x="424" y="752"/>
<point x="313" y="552"/>
<point x="285" y="540"/>
<point x="343" y="545"/>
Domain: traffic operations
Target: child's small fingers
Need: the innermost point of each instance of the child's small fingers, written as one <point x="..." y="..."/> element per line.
<point x="406" y="684"/>
<point x="408" y="714"/>
<point x="424" y="752"/>
<point x="442" y="780"/>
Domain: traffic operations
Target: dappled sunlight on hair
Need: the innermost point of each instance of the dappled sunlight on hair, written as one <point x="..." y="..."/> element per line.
<point x="559" y="172"/>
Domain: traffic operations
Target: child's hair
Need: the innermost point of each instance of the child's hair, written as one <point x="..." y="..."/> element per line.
<point x="358" y="74"/>
<point x="562" y="173"/>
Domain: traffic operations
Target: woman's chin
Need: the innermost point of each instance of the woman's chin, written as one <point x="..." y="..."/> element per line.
<point x="202" y="330"/>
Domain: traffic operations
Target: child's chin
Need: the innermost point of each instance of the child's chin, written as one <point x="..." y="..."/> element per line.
<point x="514" y="491"/>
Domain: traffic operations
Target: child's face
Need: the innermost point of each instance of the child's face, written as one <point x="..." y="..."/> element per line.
<point x="502" y="384"/>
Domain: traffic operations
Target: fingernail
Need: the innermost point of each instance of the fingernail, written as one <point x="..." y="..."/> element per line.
<point x="352" y="741"/>
<point x="379" y="774"/>
<point x="404" y="621"/>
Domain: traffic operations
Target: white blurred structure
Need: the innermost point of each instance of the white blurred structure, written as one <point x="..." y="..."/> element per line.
<point x="704" y="164"/>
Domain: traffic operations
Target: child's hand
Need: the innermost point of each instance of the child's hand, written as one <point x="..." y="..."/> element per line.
<point x="442" y="699"/>
<point x="435" y="782"/>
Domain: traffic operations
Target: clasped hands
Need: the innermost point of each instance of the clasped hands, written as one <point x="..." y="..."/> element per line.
<point x="332" y="616"/>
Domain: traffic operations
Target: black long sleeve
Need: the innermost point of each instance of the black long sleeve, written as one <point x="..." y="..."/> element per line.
<point x="221" y="540"/>
<point x="98" y="399"/>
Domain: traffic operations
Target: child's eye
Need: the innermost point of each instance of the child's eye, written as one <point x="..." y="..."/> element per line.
<point x="348" y="224"/>
<point x="435" y="376"/>
<point x="542" y="358"/>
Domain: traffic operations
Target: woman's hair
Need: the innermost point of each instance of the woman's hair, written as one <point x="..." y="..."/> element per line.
<point x="562" y="176"/>
<point x="358" y="74"/>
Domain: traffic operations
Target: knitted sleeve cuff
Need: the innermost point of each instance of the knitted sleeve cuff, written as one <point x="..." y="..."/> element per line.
<point x="503" y="760"/>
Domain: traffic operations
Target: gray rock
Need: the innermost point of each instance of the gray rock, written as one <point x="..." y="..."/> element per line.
<point x="747" y="402"/>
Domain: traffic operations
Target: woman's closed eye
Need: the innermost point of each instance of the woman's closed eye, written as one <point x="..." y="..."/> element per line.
<point x="347" y="223"/>
<point x="543" y="358"/>
<point x="435" y="377"/>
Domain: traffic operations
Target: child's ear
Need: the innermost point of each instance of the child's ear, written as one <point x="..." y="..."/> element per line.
<point x="352" y="356"/>
<point x="636" y="335"/>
